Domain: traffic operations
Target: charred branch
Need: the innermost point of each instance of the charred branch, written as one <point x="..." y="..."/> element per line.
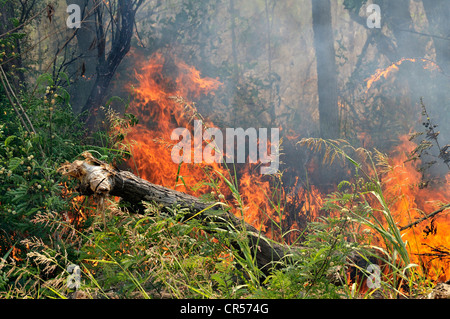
<point x="425" y="217"/>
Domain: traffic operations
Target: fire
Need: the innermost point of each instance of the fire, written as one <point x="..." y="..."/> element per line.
<point x="255" y="194"/>
<point x="159" y="80"/>
<point x="15" y="254"/>
<point x="430" y="65"/>
<point x="78" y="212"/>
<point x="292" y="135"/>
<point x="402" y="186"/>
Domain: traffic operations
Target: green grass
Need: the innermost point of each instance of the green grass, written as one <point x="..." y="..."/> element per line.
<point x="165" y="256"/>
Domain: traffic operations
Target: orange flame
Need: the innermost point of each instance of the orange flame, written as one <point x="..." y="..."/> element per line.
<point x="430" y="65"/>
<point x="15" y="254"/>
<point x="159" y="114"/>
<point x="402" y="185"/>
<point x="159" y="80"/>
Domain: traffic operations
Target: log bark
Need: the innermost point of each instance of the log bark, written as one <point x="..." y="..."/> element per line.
<point x="101" y="179"/>
<point x="441" y="291"/>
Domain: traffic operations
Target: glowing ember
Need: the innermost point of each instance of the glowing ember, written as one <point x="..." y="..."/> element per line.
<point x="15" y="254"/>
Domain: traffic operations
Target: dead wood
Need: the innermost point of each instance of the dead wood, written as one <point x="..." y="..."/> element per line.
<point x="101" y="179"/>
<point x="441" y="291"/>
<point x="425" y="217"/>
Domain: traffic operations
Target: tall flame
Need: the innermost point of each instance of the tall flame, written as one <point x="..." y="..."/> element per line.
<point x="162" y="78"/>
<point x="159" y="114"/>
<point x="158" y="81"/>
<point x="402" y="186"/>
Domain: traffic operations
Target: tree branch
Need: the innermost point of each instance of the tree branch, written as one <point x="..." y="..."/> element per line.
<point x="425" y="217"/>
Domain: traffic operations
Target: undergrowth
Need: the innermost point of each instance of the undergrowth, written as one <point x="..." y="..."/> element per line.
<point x="54" y="244"/>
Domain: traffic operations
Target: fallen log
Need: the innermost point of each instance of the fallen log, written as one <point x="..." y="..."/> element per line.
<point x="101" y="179"/>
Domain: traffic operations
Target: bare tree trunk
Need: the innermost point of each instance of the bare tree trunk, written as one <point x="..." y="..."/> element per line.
<point x="236" y="75"/>
<point x="85" y="68"/>
<point x="120" y="45"/>
<point x="438" y="12"/>
<point x="326" y="69"/>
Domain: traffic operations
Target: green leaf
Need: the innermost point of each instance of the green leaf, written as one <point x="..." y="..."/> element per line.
<point x="344" y="183"/>
<point x="14" y="163"/>
<point x="15" y="22"/>
<point x="9" y="139"/>
<point x="45" y="79"/>
<point x="66" y="77"/>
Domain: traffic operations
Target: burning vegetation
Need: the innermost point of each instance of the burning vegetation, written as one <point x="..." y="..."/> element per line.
<point x="208" y="150"/>
<point x="278" y="211"/>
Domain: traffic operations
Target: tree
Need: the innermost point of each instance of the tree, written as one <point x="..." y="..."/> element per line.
<point x="84" y="68"/>
<point x="118" y="30"/>
<point x="326" y="69"/>
<point x="438" y="12"/>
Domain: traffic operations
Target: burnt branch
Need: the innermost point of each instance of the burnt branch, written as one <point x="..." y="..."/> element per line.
<point x="425" y="217"/>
